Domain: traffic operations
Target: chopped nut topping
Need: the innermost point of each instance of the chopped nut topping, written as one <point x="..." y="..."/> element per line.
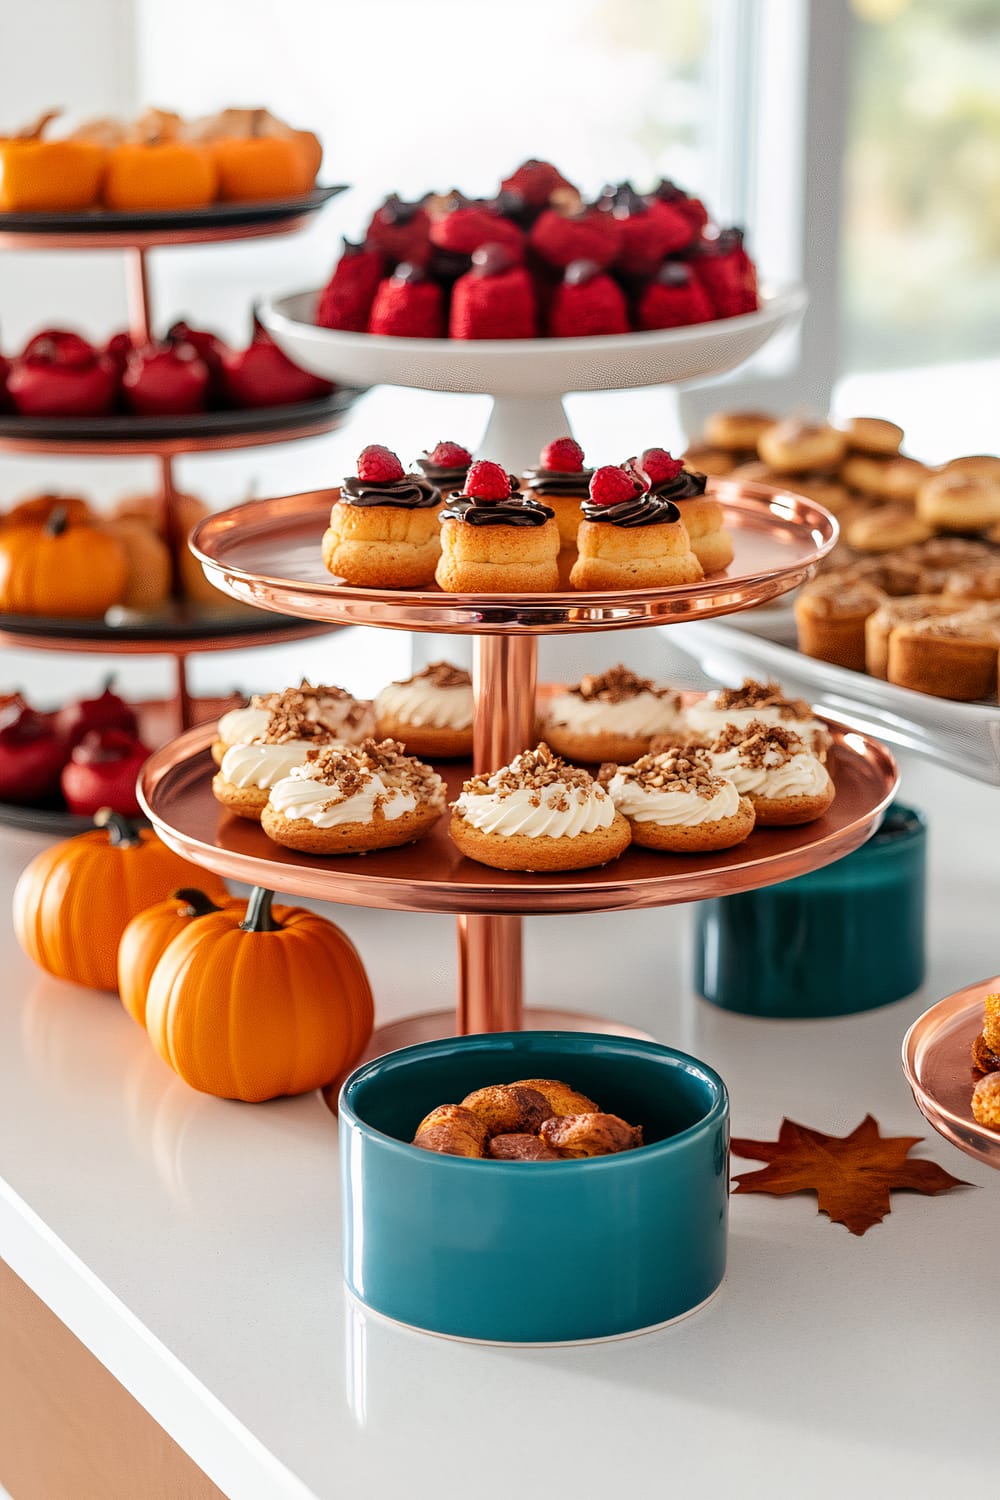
<point x="617" y="685"/>
<point x="350" y="769"/>
<point x="532" y="770"/>
<point x="679" y="769"/>
<point x="760" y="744"/>
<point x="304" y="706"/>
<point x="763" y="695"/>
<point x="440" y="674"/>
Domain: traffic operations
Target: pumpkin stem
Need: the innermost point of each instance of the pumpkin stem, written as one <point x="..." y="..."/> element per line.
<point x="121" y="832"/>
<point x="58" y="520"/>
<point x="259" y="917"/>
<point x="36" y="129"/>
<point x="198" y="903"/>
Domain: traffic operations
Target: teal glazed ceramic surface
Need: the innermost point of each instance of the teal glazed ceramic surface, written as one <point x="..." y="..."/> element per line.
<point x="535" y="1252"/>
<point x="847" y="938"/>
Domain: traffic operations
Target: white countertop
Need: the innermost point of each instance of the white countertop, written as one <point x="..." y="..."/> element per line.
<point x="193" y="1245"/>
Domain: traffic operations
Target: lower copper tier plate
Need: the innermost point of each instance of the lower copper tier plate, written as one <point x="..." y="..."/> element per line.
<point x="268" y="553"/>
<point x="431" y="875"/>
<point x="176" y="629"/>
<point x="937" y="1061"/>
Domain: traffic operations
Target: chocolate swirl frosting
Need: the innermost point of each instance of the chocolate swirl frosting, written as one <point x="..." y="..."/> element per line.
<point x="556" y="482"/>
<point x="644" y="509"/>
<point x="412" y="492"/>
<point x="687" y="485"/>
<point x="443" y="479"/>
<point x="516" y="510"/>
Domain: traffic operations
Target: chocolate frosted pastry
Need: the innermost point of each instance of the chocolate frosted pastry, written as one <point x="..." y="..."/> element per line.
<point x="412" y="492"/>
<point x="641" y="508"/>
<point x="446" y="466"/>
<point x="383" y="530"/>
<point x="494" y="540"/>
<point x="630" y="538"/>
<point x="563" y="481"/>
<point x="547" y="482"/>
<point x="514" y="509"/>
<point x="666" y="477"/>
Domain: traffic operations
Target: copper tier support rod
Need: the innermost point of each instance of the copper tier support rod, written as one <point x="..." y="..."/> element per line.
<point x="490" y="974"/>
<point x="137" y="288"/>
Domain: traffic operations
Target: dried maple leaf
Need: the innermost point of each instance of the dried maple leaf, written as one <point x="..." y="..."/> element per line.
<point x="852" y="1175"/>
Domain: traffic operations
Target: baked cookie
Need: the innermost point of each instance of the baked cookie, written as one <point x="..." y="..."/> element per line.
<point x="629" y="538"/>
<point x="494" y="540"/>
<point x="702" y="458"/>
<point x="958" y="501"/>
<point x="430" y="712"/>
<point x="775" y="768"/>
<point x="872" y="435"/>
<point x="333" y="709"/>
<point x="755" y="701"/>
<point x="886" y="529"/>
<point x="674" y="803"/>
<point x="383" y="530"/>
<point x="796" y="446"/>
<point x="613" y="716"/>
<point x="737" y="431"/>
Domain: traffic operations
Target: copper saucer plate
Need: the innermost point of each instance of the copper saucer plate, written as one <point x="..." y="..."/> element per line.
<point x="937" y="1061"/>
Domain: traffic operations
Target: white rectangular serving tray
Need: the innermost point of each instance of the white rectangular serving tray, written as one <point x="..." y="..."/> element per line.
<point x="964" y="737"/>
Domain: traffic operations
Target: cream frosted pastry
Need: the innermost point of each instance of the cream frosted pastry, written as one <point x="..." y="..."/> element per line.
<point x="675" y="802"/>
<point x="776" y="769"/>
<point x="431" y="712"/>
<point x="341" y="715"/>
<point x="538" y="813"/>
<point x="613" y="716"/>
<point x="764" y="701"/>
<point x="348" y="799"/>
<point x="248" y="771"/>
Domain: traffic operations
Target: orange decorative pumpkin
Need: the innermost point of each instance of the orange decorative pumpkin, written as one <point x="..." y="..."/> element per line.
<point x="156" y="169"/>
<point x="150" y="569"/>
<point x="73" y="901"/>
<point x="60" y="569"/>
<point x="278" y="1003"/>
<point x="36" y="510"/>
<point x="264" y="158"/>
<point x="39" y="176"/>
<point x="148" y="934"/>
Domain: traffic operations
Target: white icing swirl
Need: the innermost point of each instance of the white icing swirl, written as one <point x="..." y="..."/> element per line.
<point x="262" y="765"/>
<point x="557" y="811"/>
<point x="672" y="806"/>
<point x="646" y="714"/>
<point x="708" y="721"/>
<point x="302" y="795"/>
<point x="243" y="725"/>
<point x="247" y="726"/>
<point x="423" y="704"/>
<point x="801" y="775"/>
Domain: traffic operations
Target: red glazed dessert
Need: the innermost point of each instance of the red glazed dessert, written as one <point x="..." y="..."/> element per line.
<point x="464" y="229"/>
<point x="262" y="376"/>
<point x="692" y="209"/>
<point x="588" y="302"/>
<point x="649" y="231"/>
<point x="537" y="183"/>
<point x="165" y="379"/>
<point x="408" y="305"/>
<point x="674" y="298"/>
<point x="495" y="300"/>
<point x="346" y="300"/>
<point x="102" y="772"/>
<point x="210" y="349"/>
<point x="60" y="375"/>
<point x="32" y="753"/>
<point x="106" y="711"/>
<point x="559" y="239"/>
<point x="727" y="273"/>
<point x="400" y="231"/>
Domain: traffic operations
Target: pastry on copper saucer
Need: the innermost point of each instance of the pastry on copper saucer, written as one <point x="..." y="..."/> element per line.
<point x="494" y="540"/>
<point x="613" y="716"/>
<point x="561" y="481"/>
<point x="383" y="530"/>
<point x="347" y="800"/>
<point x="675" y="803"/>
<point x="430" y="712"/>
<point x="777" y="770"/>
<point x="630" y="538"/>
<point x="538" y="814"/>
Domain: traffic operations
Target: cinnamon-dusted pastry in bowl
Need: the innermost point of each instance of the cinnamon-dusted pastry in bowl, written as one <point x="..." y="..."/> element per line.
<point x="560" y="1098"/>
<point x="508" y="1108"/>
<point x="590" y="1135"/>
<point x="953" y="657"/>
<point x="958" y="501"/>
<point x="613" y="716"/>
<point x="674" y="803"/>
<point x="538" y="814"/>
<point x="338" y="711"/>
<point x="431" y="712"/>
<point x="667" y="479"/>
<point x="383" y="530"/>
<point x="893" y="613"/>
<point x="830" y="615"/>
<point x="774" y="767"/>
<point x="763" y="701"/>
<point x="629" y="538"/>
<point x="520" y="1148"/>
<point x="494" y="540"/>
<point x="795" y="446"/>
<point x="452" y="1130"/>
<point x="352" y="799"/>
<point x="872" y="435"/>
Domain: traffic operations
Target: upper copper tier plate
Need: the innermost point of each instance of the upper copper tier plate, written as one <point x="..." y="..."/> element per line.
<point x="937" y="1061"/>
<point x="176" y="792"/>
<point x="267" y="553"/>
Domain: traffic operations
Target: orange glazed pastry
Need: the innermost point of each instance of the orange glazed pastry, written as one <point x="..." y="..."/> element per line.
<point x="954" y="657"/>
<point x="259" y="157"/>
<point x="630" y="538"/>
<point x="830" y="616"/>
<point x="383" y="530"/>
<point x="494" y="540"/>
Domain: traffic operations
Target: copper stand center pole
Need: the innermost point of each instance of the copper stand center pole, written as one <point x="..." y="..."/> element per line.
<point x="490" y="978"/>
<point x="137" y="285"/>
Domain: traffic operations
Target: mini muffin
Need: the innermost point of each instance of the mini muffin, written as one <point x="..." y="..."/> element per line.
<point x="629" y="538"/>
<point x="349" y="800"/>
<point x="333" y="708"/>
<point x="703" y="517"/>
<point x="893" y="613"/>
<point x="737" y="431"/>
<point x="775" y="768"/>
<point x="886" y="529"/>
<point x="538" y="814"/>
<point x="795" y="446"/>
<point x="562" y="483"/>
<point x="706" y="719"/>
<point x="830" y="616"/>
<point x="872" y="435"/>
<point x="948" y="553"/>
<point x="494" y="540"/>
<point x="953" y="657"/>
<point x="957" y="501"/>
<point x="430" y="712"/>
<point x="971" y="585"/>
<point x="895" y="573"/>
<point x="610" y="717"/>
<point x="445" y="467"/>
<point x="383" y="530"/>
<point x="675" y="803"/>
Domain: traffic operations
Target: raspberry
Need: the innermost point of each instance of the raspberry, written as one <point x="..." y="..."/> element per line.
<point x="587" y="302"/>
<point x="674" y="299"/>
<point x="464" y="229"/>
<point x="561" y="239"/>
<point x="659" y="467"/>
<point x="408" y="305"/>
<point x="486" y="481"/>
<point x="449" y="456"/>
<point x="564" y="456"/>
<point x="378" y="465"/>
<point x="610" y="486"/>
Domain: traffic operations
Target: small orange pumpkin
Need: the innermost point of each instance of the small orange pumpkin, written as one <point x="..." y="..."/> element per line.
<point x="148" y="934"/>
<point x="278" y="1003"/>
<point x="150" y="569"/>
<point x="265" y="160"/>
<point x="40" y="176"/>
<point x="59" y="569"/>
<point x="156" y="169"/>
<point x="37" y="509"/>
<point x="74" y="900"/>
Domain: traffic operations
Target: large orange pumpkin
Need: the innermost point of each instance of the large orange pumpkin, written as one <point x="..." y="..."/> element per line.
<point x="77" y="571"/>
<point x="37" y="509"/>
<point x="39" y="176"/>
<point x="146" y="936"/>
<point x="278" y="1003"/>
<point x="75" y="899"/>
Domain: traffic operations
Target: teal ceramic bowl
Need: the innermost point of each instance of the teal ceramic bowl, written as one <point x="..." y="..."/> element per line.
<point x="535" y="1252"/>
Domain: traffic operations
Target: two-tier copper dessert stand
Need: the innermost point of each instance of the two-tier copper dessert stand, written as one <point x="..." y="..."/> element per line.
<point x="268" y="553"/>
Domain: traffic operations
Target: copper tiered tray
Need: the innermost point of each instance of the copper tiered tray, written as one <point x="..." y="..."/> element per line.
<point x="937" y="1061"/>
<point x="268" y="553"/>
